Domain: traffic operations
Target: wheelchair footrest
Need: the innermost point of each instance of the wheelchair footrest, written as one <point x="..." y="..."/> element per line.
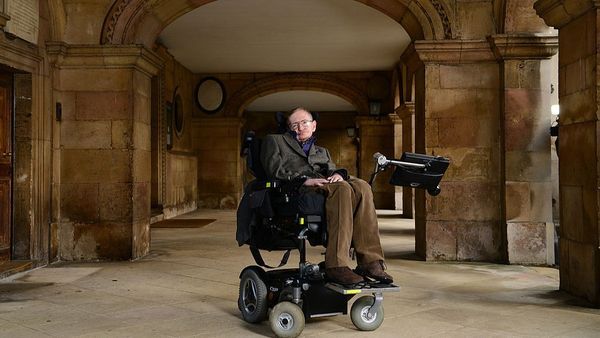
<point x="363" y="288"/>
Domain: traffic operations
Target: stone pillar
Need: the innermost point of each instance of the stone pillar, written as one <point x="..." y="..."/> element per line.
<point x="526" y="71"/>
<point x="102" y="150"/>
<point x="217" y="143"/>
<point x="406" y="113"/>
<point x="376" y="134"/>
<point x="578" y="22"/>
<point x="457" y="116"/>
<point x="397" y="122"/>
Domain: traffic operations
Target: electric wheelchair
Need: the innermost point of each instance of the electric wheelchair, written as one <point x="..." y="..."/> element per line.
<point x="275" y="215"/>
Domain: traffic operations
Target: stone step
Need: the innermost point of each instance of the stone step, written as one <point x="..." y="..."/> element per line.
<point x="13" y="267"/>
<point x="157" y="218"/>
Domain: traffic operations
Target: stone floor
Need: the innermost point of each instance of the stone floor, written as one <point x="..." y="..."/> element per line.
<point x="188" y="286"/>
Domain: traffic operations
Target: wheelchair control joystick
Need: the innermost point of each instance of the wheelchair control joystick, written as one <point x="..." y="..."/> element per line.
<point x="413" y="170"/>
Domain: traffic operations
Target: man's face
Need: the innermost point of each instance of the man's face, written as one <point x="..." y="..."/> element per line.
<point x="302" y="123"/>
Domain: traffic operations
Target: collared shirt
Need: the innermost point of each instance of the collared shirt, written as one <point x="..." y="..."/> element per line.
<point x="305" y="145"/>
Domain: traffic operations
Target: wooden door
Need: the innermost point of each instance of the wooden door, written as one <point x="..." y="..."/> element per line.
<point x="5" y="165"/>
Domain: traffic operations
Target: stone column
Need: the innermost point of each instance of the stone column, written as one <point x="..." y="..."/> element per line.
<point x="376" y="134"/>
<point x="102" y="150"/>
<point x="457" y="116"/>
<point x="579" y="57"/>
<point x="217" y="143"/>
<point x="406" y="113"/>
<point x="526" y="70"/>
<point x="397" y="122"/>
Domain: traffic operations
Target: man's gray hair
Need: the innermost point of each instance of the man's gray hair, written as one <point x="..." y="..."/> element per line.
<point x="299" y="109"/>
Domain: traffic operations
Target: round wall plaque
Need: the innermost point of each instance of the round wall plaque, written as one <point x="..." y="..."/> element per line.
<point x="210" y="95"/>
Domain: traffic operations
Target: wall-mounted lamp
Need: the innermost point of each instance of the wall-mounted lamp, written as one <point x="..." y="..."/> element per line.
<point x="374" y="108"/>
<point x="351" y="131"/>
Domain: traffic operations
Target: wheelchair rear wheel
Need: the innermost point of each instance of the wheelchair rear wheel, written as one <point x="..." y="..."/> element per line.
<point x="287" y="320"/>
<point x="252" y="300"/>
<point x="361" y="318"/>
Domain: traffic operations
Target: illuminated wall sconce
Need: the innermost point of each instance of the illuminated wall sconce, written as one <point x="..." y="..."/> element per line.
<point x="555" y="110"/>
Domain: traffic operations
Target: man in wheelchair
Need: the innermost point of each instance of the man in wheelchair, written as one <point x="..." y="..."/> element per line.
<point x="349" y="207"/>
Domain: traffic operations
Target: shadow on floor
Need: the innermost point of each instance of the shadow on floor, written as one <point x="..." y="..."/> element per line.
<point x="397" y="232"/>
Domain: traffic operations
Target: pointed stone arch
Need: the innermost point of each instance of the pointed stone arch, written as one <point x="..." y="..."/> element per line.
<point x="141" y="21"/>
<point x="296" y="81"/>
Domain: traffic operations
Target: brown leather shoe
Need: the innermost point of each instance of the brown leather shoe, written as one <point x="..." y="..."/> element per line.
<point x="375" y="270"/>
<point x="343" y="275"/>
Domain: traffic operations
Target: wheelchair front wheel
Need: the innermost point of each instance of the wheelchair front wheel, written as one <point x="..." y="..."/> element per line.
<point x="252" y="300"/>
<point x="360" y="314"/>
<point x="287" y="320"/>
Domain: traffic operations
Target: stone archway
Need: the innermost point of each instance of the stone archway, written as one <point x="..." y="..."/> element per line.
<point x="140" y="21"/>
<point x="297" y="81"/>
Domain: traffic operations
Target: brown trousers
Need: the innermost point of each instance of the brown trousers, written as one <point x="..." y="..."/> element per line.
<point x="351" y="218"/>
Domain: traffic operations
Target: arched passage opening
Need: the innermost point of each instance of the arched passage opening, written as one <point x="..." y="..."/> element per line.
<point x="360" y="84"/>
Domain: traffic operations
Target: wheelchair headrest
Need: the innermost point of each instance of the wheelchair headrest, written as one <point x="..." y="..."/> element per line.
<point x="251" y="149"/>
<point x="281" y="120"/>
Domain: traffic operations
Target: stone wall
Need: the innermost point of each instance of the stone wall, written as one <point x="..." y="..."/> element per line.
<point x="181" y="183"/>
<point x="84" y="20"/>
<point x="243" y="88"/>
<point x="181" y="168"/>
<point x="217" y="143"/>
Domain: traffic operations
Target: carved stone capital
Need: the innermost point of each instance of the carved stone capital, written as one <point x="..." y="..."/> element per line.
<point x="395" y="119"/>
<point x="410" y="57"/>
<point x="63" y="55"/>
<point x="406" y="110"/>
<point x="454" y="51"/>
<point x="515" y="46"/>
<point x="4" y="18"/>
<point x="557" y="13"/>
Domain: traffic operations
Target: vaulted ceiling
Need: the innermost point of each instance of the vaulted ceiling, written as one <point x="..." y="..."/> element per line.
<point x="228" y="36"/>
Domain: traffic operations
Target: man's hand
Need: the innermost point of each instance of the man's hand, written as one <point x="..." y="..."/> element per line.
<point x="335" y="178"/>
<point x="316" y="182"/>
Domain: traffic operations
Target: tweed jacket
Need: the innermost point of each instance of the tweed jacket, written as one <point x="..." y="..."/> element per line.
<point x="282" y="158"/>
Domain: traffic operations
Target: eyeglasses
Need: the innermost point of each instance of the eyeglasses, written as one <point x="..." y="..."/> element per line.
<point x="303" y="123"/>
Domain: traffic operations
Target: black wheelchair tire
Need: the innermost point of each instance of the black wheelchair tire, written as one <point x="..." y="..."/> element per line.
<point x="252" y="299"/>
